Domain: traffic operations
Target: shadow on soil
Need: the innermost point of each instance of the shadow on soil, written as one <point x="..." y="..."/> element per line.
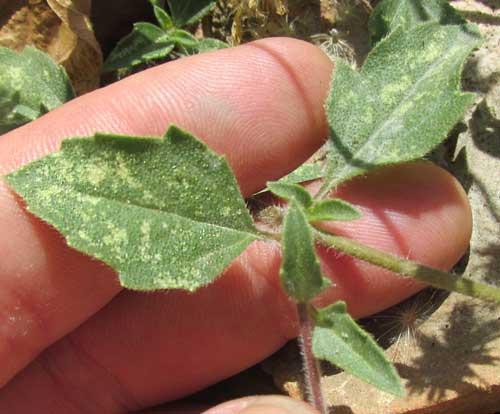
<point x="433" y="373"/>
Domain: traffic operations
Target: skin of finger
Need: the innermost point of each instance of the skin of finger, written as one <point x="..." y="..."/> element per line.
<point x="267" y="404"/>
<point x="47" y="289"/>
<point x="143" y="349"/>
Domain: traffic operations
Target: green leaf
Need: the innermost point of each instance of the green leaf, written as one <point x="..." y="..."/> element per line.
<point x="146" y="42"/>
<point x="31" y="84"/>
<point x="338" y="339"/>
<point x="306" y="172"/>
<point x="291" y="192"/>
<point x="389" y="14"/>
<point x="333" y="209"/>
<point x="185" y="41"/>
<point x="163" y="18"/>
<point x="300" y="269"/>
<point x="401" y="104"/>
<point x="158" y="3"/>
<point x="208" y="45"/>
<point x="151" y="208"/>
<point x="187" y="12"/>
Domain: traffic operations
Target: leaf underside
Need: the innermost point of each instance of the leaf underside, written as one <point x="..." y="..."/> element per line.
<point x="338" y="339"/>
<point x="150" y="208"/>
<point x="31" y="84"/>
<point x="402" y="103"/>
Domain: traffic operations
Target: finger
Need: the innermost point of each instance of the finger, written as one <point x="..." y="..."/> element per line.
<point x="143" y="349"/>
<point x="262" y="102"/>
<point x="269" y="404"/>
<point x="47" y="289"/>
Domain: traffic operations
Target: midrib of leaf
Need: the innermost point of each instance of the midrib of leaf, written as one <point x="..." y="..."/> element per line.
<point x="397" y="13"/>
<point x="145" y="207"/>
<point x="390" y="119"/>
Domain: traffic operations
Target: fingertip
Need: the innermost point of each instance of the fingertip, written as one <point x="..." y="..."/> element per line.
<point x="267" y="404"/>
<point x="417" y="211"/>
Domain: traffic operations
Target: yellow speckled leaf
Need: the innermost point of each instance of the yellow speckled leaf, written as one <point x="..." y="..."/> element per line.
<point x="151" y="208"/>
<point x="59" y="27"/>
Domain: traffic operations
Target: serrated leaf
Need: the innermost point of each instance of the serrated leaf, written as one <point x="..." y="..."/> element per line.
<point x="31" y="84"/>
<point x="289" y="192"/>
<point x="163" y="18"/>
<point x="187" y="12"/>
<point x="146" y="42"/>
<point x="333" y="209"/>
<point x="402" y="103"/>
<point x="337" y="338"/>
<point x="208" y="45"/>
<point x="300" y="269"/>
<point x="389" y="14"/>
<point x="151" y="208"/>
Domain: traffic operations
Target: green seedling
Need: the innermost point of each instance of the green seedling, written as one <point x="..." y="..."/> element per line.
<point x="167" y="212"/>
<point x="148" y="42"/>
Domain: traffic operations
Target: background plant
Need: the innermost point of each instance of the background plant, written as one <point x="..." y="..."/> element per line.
<point x="148" y="42"/>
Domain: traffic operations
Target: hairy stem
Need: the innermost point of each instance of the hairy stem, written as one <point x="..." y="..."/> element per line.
<point x="310" y="365"/>
<point x="433" y="277"/>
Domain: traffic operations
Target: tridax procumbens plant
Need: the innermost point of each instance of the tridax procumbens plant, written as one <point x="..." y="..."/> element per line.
<point x="167" y="213"/>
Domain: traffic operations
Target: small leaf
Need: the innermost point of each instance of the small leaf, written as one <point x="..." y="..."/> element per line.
<point x="185" y="41"/>
<point x="333" y="209"/>
<point x="151" y="208"/>
<point x="208" y="45"/>
<point x="300" y="270"/>
<point x="163" y="18"/>
<point x="146" y="42"/>
<point x="187" y="12"/>
<point x="306" y="172"/>
<point x="338" y="339"/>
<point x="291" y="192"/>
<point x="402" y="104"/>
<point x="158" y="3"/>
<point x="389" y="14"/>
<point x="31" y="84"/>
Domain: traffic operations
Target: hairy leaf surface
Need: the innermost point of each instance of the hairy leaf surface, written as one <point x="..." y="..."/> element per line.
<point x="306" y="172"/>
<point x="300" y="270"/>
<point x="162" y="17"/>
<point x="338" y="339"/>
<point x="151" y="208"/>
<point x="402" y="103"/>
<point x="289" y="191"/>
<point x="146" y="42"/>
<point x="31" y="84"/>
<point x="209" y="45"/>
<point x="389" y="14"/>
<point x="333" y="209"/>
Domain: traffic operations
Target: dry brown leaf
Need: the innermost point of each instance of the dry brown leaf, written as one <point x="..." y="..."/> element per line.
<point x="59" y="27"/>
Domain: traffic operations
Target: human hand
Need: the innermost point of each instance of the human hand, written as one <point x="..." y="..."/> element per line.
<point x="72" y="341"/>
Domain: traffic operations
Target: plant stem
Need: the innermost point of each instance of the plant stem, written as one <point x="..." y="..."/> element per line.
<point x="310" y="365"/>
<point x="433" y="277"/>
